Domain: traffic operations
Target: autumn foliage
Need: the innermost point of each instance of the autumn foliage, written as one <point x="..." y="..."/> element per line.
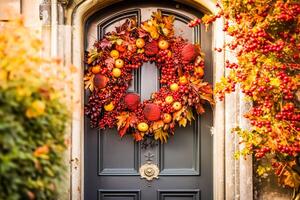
<point x="33" y="117"/>
<point x="266" y="40"/>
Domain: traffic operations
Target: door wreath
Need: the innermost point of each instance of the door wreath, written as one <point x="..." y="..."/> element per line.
<point x="109" y="73"/>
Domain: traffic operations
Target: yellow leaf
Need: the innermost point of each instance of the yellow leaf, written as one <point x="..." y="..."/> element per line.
<point x="189" y="114"/>
<point x="157" y="125"/>
<point x="194" y="80"/>
<point x="157" y="15"/>
<point x="183" y="122"/>
<point x="22" y="92"/>
<point x="275" y="82"/>
<point x="161" y="135"/>
<point x="36" y="109"/>
<point x="93" y="55"/>
<point x="89" y="81"/>
<point x="177" y="115"/>
<point x="168" y="21"/>
<point x="151" y="27"/>
<point x="119" y="41"/>
<point x="165" y="31"/>
<point x="262" y="170"/>
<point x="288" y="179"/>
<point x="122" y="118"/>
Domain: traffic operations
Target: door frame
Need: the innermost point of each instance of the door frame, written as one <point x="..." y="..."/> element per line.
<point x="232" y="179"/>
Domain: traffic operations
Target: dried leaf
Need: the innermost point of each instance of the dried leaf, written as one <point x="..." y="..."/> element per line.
<point x="125" y="120"/>
<point x="142" y="33"/>
<point x="206" y="88"/>
<point x="119" y="41"/>
<point x="177" y="115"/>
<point x="157" y="125"/>
<point x="127" y="25"/>
<point x="195" y="81"/>
<point x="207" y="97"/>
<point x="89" y="81"/>
<point x="157" y="15"/>
<point x="166" y="127"/>
<point x="109" y="62"/>
<point x="200" y="109"/>
<point x="122" y="118"/>
<point x="168" y="21"/>
<point x="123" y="123"/>
<point x="93" y="55"/>
<point x="288" y="179"/>
<point x="105" y="43"/>
<point x="124" y="26"/>
<point x="151" y="27"/>
<point x="161" y="135"/>
<point x="137" y="136"/>
<point x="189" y="114"/>
<point x="182" y="122"/>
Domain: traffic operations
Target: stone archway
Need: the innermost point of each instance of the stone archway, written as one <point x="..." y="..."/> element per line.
<point x="232" y="178"/>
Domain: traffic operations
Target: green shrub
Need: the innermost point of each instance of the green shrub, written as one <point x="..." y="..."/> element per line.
<point x="33" y="117"/>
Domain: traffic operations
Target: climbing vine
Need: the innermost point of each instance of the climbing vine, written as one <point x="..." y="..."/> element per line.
<point x="266" y="40"/>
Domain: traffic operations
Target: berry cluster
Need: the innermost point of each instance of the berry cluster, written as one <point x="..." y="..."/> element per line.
<point x="266" y="39"/>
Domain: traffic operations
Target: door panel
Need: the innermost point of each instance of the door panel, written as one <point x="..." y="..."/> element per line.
<point x="112" y="164"/>
<point x="180" y="156"/>
<point x="127" y="148"/>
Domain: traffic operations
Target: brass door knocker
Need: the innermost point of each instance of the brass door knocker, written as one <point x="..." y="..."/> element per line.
<point x="149" y="171"/>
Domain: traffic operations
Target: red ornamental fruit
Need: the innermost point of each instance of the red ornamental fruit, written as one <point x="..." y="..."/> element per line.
<point x="188" y="53"/>
<point x="151" y="48"/>
<point x="152" y="112"/>
<point x="132" y="101"/>
<point x="100" y="81"/>
<point x="120" y="48"/>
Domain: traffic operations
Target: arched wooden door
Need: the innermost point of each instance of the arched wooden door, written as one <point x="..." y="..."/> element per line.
<point x="111" y="164"/>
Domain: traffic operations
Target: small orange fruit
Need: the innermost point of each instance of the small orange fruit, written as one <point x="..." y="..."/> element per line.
<point x="169" y="99"/>
<point x="177" y="105"/>
<point x="116" y="72"/>
<point x="96" y="69"/>
<point x="163" y="44"/>
<point x="167" y="118"/>
<point x="183" y="80"/>
<point x="174" y="87"/>
<point x="114" y="54"/>
<point x="199" y="71"/>
<point x="119" y="63"/>
<point x="140" y="43"/>
<point x="109" y="107"/>
<point x="143" y="127"/>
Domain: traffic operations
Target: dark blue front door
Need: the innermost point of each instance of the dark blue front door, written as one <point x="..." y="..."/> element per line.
<point x="111" y="164"/>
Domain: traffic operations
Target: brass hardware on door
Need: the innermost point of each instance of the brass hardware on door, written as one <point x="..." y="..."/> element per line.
<point x="149" y="171"/>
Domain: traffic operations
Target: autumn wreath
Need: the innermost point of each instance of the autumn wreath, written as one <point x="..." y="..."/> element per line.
<point x="109" y="73"/>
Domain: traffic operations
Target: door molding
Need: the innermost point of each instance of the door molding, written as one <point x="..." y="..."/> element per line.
<point x="232" y="179"/>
